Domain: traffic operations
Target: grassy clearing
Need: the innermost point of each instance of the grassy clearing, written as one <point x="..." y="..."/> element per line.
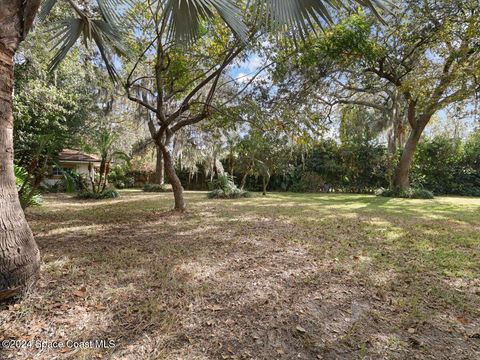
<point x="283" y="276"/>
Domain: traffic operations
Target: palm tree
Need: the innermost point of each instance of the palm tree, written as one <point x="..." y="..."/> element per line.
<point x="104" y="143"/>
<point x="19" y="254"/>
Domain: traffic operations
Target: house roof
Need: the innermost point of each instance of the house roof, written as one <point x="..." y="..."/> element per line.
<point x="69" y="155"/>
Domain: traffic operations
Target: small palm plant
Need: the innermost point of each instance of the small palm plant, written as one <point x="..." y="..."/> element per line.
<point x="28" y="195"/>
<point x="224" y="188"/>
<point x="99" y="187"/>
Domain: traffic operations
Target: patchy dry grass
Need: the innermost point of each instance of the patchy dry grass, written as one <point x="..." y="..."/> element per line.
<point x="282" y="277"/>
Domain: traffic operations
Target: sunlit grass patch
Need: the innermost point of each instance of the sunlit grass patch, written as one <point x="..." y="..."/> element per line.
<point x="174" y="284"/>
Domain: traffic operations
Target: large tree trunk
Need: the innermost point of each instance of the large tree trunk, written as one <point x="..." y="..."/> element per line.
<point x="173" y="178"/>
<point x="401" y="179"/>
<point x="159" y="168"/>
<point x="19" y="254"/>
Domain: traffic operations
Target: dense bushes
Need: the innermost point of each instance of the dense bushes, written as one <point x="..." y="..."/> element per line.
<point x="92" y="195"/>
<point x="157" y="188"/>
<point x="442" y="165"/>
<point x="329" y="167"/>
<point x="224" y="188"/>
<point x="412" y="193"/>
<point x="448" y="166"/>
<point x="120" y="177"/>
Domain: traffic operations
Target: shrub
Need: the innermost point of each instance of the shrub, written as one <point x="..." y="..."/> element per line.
<point x="309" y="182"/>
<point x="411" y="193"/>
<point x="119" y="177"/>
<point x="72" y="181"/>
<point x="106" y="194"/>
<point x="157" y="188"/>
<point x="224" y="188"/>
<point x="27" y="195"/>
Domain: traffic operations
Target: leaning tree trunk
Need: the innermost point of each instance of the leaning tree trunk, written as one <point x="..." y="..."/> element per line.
<point x="19" y="254"/>
<point x="243" y="181"/>
<point x="244" y="178"/>
<point x="173" y="178"/>
<point x="401" y="179"/>
<point x="159" y="168"/>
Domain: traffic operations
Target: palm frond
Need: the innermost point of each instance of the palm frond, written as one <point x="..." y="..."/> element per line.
<point x="46" y="8"/>
<point x="295" y="16"/>
<point x="112" y="10"/>
<point x="105" y="32"/>
<point x="68" y="32"/>
<point x="185" y="16"/>
<point x="301" y="15"/>
<point x="120" y="155"/>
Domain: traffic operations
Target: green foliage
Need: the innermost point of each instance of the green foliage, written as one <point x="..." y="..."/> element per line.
<point x="156" y="188"/>
<point x="105" y="141"/>
<point x="448" y="166"/>
<point x="50" y="109"/>
<point x="119" y="177"/>
<point x="349" y="41"/>
<point x="46" y="119"/>
<point x="27" y="195"/>
<point x="359" y="125"/>
<point x="411" y="193"/>
<point x="71" y="182"/>
<point x="351" y="167"/>
<point x="224" y="188"/>
<point x="472" y="150"/>
<point x="110" y="193"/>
<point x="442" y="165"/>
<point x="310" y="182"/>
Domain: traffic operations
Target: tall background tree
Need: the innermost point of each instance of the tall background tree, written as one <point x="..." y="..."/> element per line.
<point x="425" y="61"/>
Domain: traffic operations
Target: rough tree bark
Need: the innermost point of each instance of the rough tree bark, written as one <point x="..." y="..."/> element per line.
<point x="19" y="254"/>
<point x="401" y="180"/>
<point x="173" y="178"/>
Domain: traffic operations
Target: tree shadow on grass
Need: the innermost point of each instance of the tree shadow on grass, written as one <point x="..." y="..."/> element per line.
<point x="230" y="279"/>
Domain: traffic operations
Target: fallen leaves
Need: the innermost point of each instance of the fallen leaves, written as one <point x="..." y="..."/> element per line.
<point x="275" y="287"/>
<point x="300" y="329"/>
<point x="81" y="293"/>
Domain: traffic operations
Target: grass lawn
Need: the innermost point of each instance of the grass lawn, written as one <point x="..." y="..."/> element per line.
<point x="287" y="276"/>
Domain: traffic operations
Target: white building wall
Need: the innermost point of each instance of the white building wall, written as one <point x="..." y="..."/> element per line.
<point x="79" y="168"/>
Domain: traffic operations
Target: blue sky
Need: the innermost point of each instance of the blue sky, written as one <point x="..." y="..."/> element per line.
<point x="246" y="69"/>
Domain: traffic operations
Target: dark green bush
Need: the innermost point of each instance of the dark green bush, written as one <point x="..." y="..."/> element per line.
<point x="106" y="194"/>
<point x="157" y="188"/>
<point x="120" y="178"/>
<point x="309" y="182"/>
<point x="224" y="188"/>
